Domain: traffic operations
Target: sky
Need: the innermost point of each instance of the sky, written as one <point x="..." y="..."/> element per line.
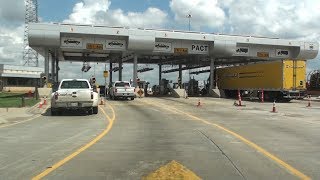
<point x="289" y="19"/>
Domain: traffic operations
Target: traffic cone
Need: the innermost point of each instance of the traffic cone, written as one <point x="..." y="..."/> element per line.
<point x="309" y="101"/>
<point x="199" y="103"/>
<point x="274" y="107"/>
<point x="239" y="98"/>
<point x="101" y="102"/>
<point x="45" y="101"/>
<point x="262" y="96"/>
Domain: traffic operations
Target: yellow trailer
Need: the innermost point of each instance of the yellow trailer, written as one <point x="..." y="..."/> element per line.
<point x="285" y="79"/>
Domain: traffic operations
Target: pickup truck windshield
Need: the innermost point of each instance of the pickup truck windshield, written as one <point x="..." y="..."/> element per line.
<point x="121" y="84"/>
<point x="74" y="85"/>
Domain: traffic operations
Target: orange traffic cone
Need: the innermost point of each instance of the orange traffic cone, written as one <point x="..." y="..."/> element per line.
<point x="199" y="103"/>
<point x="309" y="101"/>
<point x="101" y="102"/>
<point x="45" y="101"/>
<point x="262" y="96"/>
<point x="239" y="98"/>
<point x="274" y="107"/>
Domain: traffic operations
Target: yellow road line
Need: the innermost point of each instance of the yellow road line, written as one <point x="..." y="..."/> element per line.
<point x="83" y="148"/>
<point x="290" y="168"/>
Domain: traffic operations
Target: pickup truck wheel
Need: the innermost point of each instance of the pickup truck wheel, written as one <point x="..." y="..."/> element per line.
<point x="54" y="112"/>
<point x="90" y="111"/>
<point x="132" y="98"/>
<point x="95" y="110"/>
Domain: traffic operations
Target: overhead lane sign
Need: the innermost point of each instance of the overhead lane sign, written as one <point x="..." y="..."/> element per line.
<point x="113" y="44"/>
<point x="94" y="46"/>
<point x="71" y="42"/>
<point x="282" y="53"/>
<point x="242" y="51"/>
<point x="199" y="49"/>
<point x="162" y="47"/>
<point x="181" y="50"/>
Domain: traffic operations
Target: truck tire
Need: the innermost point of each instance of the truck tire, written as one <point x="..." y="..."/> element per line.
<point x="90" y="111"/>
<point x="54" y="112"/>
<point x="95" y="110"/>
<point x="132" y="98"/>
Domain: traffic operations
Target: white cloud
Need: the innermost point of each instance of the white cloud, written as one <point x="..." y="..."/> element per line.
<point x="11" y="44"/>
<point x="290" y="19"/>
<point x="12" y="11"/>
<point x="98" y="12"/>
<point x="205" y="13"/>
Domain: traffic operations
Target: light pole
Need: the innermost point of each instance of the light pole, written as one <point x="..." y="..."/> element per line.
<point x="189" y="16"/>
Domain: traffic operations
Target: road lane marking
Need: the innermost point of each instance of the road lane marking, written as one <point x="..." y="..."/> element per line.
<point x="41" y="150"/>
<point x="290" y="168"/>
<point x="172" y="170"/>
<point x="83" y="148"/>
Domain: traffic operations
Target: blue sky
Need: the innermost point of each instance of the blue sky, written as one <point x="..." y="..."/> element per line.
<point x="55" y="10"/>
<point x="59" y="10"/>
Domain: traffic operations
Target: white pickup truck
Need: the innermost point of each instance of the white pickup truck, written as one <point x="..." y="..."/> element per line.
<point x="121" y="89"/>
<point x="74" y="94"/>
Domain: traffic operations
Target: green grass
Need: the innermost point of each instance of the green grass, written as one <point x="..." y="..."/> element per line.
<point x="14" y="100"/>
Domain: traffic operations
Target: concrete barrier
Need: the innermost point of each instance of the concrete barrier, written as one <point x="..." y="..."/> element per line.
<point x="217" y="93"/>
<point x="18" y="89"/>
<point x="178" y="93"/>
<point x="44" y="92"/>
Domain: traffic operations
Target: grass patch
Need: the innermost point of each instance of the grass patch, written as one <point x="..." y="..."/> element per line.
<point x="14" y="100"/>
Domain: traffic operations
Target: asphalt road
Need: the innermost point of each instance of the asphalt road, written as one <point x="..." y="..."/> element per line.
<point x="153" y="137"/>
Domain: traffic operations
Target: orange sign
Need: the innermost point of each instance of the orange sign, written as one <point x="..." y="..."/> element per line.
<point x="140" y="92"/>
<point x="181" y="50"/>
<point x="263" y="54"/>
<point x="94" y="46"/>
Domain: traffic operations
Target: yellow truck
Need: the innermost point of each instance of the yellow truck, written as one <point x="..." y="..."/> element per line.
<point x="279" y="80"/>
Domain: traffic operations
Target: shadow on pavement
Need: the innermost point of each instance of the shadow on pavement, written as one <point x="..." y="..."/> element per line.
<point x="66" y="113"/>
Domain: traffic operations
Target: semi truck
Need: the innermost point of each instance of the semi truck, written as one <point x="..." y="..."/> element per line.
<point x="281" y="80"/>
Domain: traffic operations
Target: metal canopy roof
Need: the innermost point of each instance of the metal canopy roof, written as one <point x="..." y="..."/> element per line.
<point x="101" y="43"/>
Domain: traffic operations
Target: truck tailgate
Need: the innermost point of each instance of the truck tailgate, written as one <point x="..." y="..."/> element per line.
<point x="74" y="95"/>
<point x="125" y="90"/>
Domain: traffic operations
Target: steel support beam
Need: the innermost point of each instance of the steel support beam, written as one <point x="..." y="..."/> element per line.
<point x="110" y="73"/>
<point x="46" y="64"/>
<point x="120" y="70"/>
<point x="160" y="73"/>
<point x="180" y="76"/>
<point x="57" y="69"/>
<point x="135" y="70"/>
<point x="212" y="85"/>
<point x="53" y="67"/>
<point x="184" y="68"/>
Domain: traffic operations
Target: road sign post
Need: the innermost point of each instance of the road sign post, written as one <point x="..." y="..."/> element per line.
<point x="105" y="75"/>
